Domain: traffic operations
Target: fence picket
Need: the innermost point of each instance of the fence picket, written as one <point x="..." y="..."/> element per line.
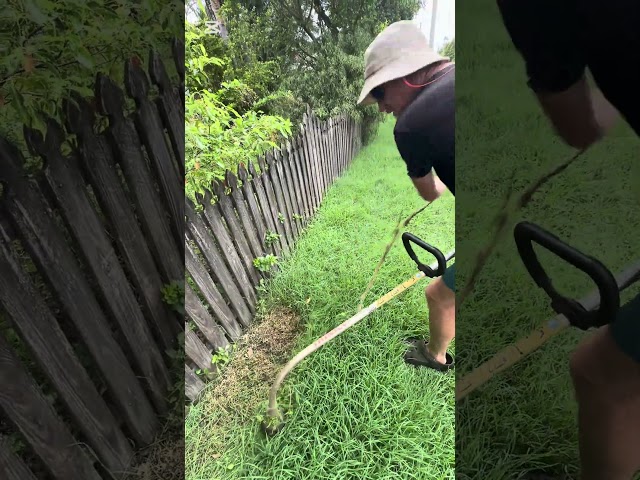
<point x="64" y="180"/>
<point x="128" y="151"/>
<point x="192" y="384"/>
<point x="238" y="236"/>
<point x="38" y="231"/>
<point x="98" y="166"/>
<point x="11" y="465"/>
<point x="244" y="216"/>
<point x="272" y="225"/>
<point x="149" y="124"/>
<point x="208" y="289"/>
<point x="203" y="320"/>
<point x="27" y="408"/>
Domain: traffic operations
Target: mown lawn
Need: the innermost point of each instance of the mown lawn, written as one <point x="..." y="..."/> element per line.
<point x="359" y="412"/>
<point x="524" y="419"/>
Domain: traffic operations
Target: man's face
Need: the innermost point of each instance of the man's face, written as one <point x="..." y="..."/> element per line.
<point x="393" y="97"/>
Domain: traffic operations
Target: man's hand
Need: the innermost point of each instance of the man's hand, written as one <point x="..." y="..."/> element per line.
<point x="429" y="187"/>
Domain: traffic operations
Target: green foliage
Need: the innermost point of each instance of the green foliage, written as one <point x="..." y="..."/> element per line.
<point x="266" y="263"/>
<point x="449" y="50"/>
<point x="50" y="49"/>
<point x="173" y="295"/>
<point x="222" y="130"/>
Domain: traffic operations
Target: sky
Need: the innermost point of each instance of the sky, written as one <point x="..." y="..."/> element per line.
<point x="445" y="21"/>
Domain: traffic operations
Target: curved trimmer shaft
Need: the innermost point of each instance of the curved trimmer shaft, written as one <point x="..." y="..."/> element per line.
<point x="273" y="411"/>
<point x="510" y="355"/>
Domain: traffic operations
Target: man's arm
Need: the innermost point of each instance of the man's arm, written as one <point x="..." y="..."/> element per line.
<point x="545" y="34"/>
<point x="429" y="187"/>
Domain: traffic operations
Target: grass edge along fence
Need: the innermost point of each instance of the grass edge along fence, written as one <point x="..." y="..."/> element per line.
<point x="87" y="246"/>
<point x="234" y="243"/>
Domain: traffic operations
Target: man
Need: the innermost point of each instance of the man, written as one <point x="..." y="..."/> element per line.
<point x="559" y="40"/>
<point x="417" y="85"/>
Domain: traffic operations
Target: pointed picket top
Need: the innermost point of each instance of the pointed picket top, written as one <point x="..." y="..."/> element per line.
<point x="11" y="164"/>
<point x="243" y="174"/>
<point x="252" y="168"/>
<point x="79" y="115"/>
<point x="177" y="48"/>
<point x="218" y="189"/>
<point x="262" y="163"/>
<point x="48" y="145"/>
<point x="109" y="97"/>
<point x="135" y="80"/>
<point x="231" y="180"/>
<point x="158" y="72"/>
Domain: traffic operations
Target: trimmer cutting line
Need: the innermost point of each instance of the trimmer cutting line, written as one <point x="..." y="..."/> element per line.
<point x="581" y="314"/>
<point x="274" y="420"/>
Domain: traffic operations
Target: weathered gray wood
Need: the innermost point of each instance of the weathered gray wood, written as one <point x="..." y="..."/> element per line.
<point x="198" y="313"/>
<point x="192" y="385"/>
<point x="273" y="204"/>
<point x="151" y="213"/>
<point x="308" y="164"/>
<point x="239" y="293"/>
<point x="283" y="188"/>
<point x="289" y="187"/>
<point x="267" y="211"/>
<point x="99" y="168"/>
<point x="205" y="283"/>
<point x="11" y="466"/>
<point x="177" y="49"/>
<point x="238" y="236"/>
<point x="27" y="408"/>
<point x="196" y="350"/>
<point x="228" y="251"/>
<point x="170" y="107"/>
<point x="294" y="188"/>
<point x="318" y="158"/>
<point x="258" y="217"/>
<point x="298" y="174"/>
<point x="244" y="215"/>
<point x="299" y="166"/>
<point x="64" y="180"/>
<point x="332" y="151"/>
<point x="281" y="209"/>
<point x="149" y="126"/>
<point x="47" y="246"/>
<point x="40" y="331"/>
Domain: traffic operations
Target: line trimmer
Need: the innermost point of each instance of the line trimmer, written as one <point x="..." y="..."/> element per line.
<point x="595" y="310"/>
<point x="274" y="421"/>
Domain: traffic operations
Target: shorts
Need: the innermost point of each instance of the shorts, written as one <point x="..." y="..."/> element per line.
<point x="626" y="328"/>
<point x="449" y="277"/>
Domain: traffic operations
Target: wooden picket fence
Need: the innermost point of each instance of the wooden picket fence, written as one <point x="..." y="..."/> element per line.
<point x="86" y="246"/>
<point x="263" y="216"/>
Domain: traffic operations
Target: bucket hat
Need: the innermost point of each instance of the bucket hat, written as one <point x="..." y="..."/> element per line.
<point x="398" y="51"/>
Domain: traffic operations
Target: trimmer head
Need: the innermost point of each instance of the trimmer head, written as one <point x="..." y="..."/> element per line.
<point x="273" y="422"/>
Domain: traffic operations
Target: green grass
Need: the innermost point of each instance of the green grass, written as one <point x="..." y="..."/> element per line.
<point x="359" y="411"/>
<point x="525" y="418"/>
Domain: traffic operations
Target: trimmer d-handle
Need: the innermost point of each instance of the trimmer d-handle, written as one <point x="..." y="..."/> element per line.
<point x="407" y="238"/>
<point x="525" y="234"/>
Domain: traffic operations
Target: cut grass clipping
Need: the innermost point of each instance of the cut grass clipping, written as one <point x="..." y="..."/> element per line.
<point x="354" y="409"/>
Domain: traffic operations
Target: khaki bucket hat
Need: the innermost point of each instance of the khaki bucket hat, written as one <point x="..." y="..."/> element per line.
<point x="398" y="51"/>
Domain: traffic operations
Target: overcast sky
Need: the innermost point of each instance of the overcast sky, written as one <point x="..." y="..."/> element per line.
<point x="445" y="21"/>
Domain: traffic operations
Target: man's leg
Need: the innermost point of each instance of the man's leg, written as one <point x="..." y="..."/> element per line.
<point x="605" y="370"/>
<point x="441" y="300"/>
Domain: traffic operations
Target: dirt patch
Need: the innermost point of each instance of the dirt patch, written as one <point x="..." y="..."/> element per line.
<point x="244" y="383"/>
<point x="164" y="458"/>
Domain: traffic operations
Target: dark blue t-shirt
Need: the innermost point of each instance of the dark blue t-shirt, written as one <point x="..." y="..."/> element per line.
<point x="425" y="130"/>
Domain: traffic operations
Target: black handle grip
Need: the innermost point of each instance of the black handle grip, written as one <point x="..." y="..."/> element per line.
<point x="525" y="233"/>
<point x="407" y="238"/>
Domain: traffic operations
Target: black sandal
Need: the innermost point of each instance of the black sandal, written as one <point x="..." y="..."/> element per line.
<point x="418" y="356"/>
